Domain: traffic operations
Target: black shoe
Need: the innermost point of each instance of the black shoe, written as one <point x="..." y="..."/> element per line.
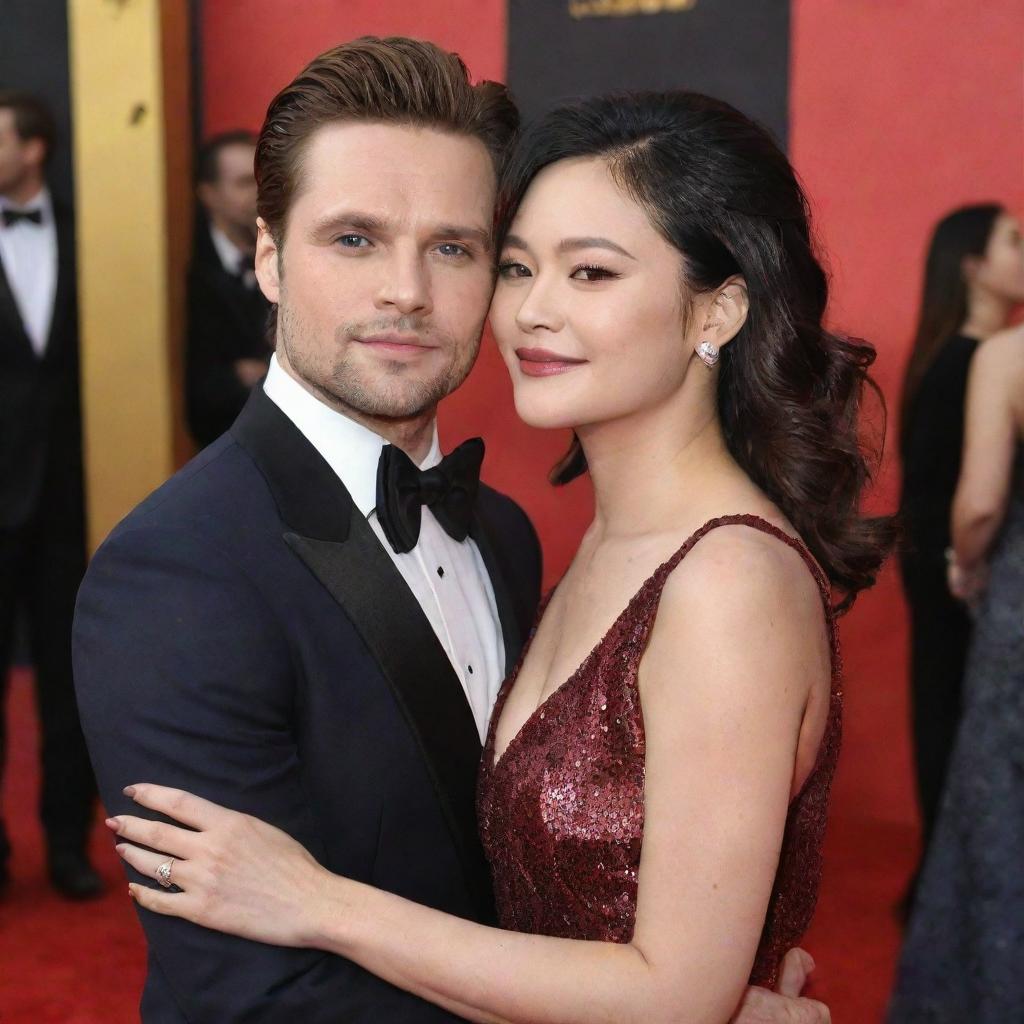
<point x="74" y="877"/>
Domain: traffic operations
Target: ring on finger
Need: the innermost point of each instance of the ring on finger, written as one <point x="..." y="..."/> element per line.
<point x="163" y="873"/>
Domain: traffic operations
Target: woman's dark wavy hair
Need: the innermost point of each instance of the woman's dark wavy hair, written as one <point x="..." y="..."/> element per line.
<point x="962" y="233"/>
<point x="719" y="189"/>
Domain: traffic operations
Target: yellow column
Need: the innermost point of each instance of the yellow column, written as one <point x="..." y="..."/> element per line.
<point x="129" y="95"/>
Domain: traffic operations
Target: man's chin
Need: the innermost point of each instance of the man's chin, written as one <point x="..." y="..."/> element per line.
<point x="389" y="405"/>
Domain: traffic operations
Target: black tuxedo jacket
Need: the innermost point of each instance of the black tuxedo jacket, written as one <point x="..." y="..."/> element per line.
<point x="40" y="418"/>
<point x="225" y="322"/>
<point x="243" y="634"/>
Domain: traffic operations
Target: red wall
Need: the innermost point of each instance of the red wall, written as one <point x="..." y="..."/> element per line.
<point x="898" y="112"/>
<point x="251" y="48"/>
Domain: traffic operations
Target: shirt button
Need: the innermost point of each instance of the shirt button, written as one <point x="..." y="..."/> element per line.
<point x="470" y="669"/>
<point x="440" y="571"/>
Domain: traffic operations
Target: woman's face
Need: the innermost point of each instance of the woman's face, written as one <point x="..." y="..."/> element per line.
<point x="588" y="311"/>
<point x="1002" y="269"/>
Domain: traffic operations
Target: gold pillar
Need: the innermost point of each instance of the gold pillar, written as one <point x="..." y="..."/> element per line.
<point x="130" y="117"/>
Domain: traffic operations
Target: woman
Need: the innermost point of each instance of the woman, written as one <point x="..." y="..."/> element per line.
<point x="974" y="276"/>
<point x="654" y="782"/>
<point x="965" y="942"/>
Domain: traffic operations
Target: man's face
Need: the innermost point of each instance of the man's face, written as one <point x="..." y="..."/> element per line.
<point x="233" y="195"/>
<point x="386" y="270"/>
<point x="19" y="157"/>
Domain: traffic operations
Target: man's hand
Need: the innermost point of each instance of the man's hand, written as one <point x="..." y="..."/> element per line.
<point x="785" y="1005"/>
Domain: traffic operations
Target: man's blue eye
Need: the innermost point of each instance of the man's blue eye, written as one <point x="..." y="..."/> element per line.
<point x="353" y="241"/>
<point x="452" y="249"/>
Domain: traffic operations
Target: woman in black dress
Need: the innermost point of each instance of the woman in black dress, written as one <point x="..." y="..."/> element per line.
<point x="971" y="285"/>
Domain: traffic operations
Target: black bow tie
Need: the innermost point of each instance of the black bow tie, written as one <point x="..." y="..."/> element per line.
<point x="448" y="490"/>
<point x="13" y="216"/>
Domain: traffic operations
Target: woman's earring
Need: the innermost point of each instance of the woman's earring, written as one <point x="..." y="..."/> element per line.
<point x="707" y="353"/>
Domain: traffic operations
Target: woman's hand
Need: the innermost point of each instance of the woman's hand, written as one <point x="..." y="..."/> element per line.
<point x="967" y="585"/>
<point x="236" y="874"/>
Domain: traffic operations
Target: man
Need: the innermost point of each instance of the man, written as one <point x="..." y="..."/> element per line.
<point x="302" y="624"/>
<point x="227" y="349"/>
<point x="42" y="533"/>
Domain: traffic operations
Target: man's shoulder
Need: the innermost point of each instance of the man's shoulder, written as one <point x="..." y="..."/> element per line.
<point x="504" y="512"/>
<point x="214" y="495"/>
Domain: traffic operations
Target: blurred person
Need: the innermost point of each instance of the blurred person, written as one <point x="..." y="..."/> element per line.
<point x="964" y="951"/>
<point x="227" y="349"/>
<point x="42" y="519"/>
<point x="698" y="468"/>
<point x="974" y="277"/>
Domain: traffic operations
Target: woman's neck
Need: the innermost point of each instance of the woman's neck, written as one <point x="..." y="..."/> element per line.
<point x="986" y="314"/>
<point x="648" y="469"/>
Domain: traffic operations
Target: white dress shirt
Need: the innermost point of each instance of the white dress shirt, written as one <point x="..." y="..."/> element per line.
<point x="447" y="577"/>
<point x="233" y="259"/>
<point x="29" y="255"/>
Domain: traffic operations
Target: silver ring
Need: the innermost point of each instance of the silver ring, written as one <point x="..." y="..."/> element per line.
<point x="163" y="873"/>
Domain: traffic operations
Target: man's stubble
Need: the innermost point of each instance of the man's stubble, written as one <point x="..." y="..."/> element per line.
<point x="396" y="392"/>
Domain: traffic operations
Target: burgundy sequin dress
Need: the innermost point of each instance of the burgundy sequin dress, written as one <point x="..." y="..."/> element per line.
<point x="562" y="811"/>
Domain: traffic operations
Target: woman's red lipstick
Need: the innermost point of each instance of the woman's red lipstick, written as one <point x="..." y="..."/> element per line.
<point x="541" y="362"/>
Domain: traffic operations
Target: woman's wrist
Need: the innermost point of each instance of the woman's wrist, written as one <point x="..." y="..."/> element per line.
<point x="332" y="912"/>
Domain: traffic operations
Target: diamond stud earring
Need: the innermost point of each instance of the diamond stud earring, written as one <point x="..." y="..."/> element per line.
<point x="707" y="353"/>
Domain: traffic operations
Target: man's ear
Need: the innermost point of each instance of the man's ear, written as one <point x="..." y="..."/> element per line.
<point x="727" y="312"/>
<point x="268" y="265"/>
<point x="33" y="152"/>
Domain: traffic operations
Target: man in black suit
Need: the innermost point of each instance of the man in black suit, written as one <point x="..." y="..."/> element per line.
<point x="42" y="533"/>
<point x="259" y="630"/>
<point x="227" y="348"/>
<point x="310" y="622"/>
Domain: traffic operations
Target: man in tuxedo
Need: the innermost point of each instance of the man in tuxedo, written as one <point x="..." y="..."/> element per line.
<point x="42" y="534"/>
<point x="227" y="348"/>
<point x="310" y="622"/>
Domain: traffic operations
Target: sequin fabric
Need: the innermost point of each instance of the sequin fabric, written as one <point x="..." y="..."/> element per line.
<point x="562" y="810"/>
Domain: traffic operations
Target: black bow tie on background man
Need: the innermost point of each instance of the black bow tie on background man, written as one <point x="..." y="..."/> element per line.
<point x="448" y="490"/>
<point x="12" y="217"/>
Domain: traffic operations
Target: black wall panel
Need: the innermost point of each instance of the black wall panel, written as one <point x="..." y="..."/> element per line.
<point x="34" y="58"/>
<point x="736" y="50"/>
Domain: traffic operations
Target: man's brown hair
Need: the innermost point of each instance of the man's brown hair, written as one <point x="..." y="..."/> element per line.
<point x="32" y="117"/>
<point x="394" y="80"/>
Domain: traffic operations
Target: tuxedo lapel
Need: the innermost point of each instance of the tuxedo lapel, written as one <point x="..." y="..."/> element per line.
<point x="513" y="629"/>
<point x="329" y="534"/>
<point x="11" y="325"/>
<point x="62" y="306"/>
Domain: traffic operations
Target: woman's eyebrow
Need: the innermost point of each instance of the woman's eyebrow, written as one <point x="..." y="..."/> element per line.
<point x="571" y="244"/>
<point x="592" y="242"/>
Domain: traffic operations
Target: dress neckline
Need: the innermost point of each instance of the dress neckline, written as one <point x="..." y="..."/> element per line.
<point x="491" y="762"/>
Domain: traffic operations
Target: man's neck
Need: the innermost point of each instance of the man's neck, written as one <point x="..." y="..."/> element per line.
<point x="413" y="434"/>
<point x="238" y="236"/>
<point x="24" y="191"/>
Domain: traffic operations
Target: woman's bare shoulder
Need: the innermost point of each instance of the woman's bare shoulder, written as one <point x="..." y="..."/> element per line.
<point x="742" y="566"/>
<point x="1003" y="352"/>
<point x="743" y="591"/>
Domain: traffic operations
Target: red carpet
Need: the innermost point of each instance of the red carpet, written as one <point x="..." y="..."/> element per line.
<point x="62" y="963"/>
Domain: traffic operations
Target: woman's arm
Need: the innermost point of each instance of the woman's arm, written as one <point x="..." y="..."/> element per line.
<point x="991" y="430"/>
<point x="737" y="649"/>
